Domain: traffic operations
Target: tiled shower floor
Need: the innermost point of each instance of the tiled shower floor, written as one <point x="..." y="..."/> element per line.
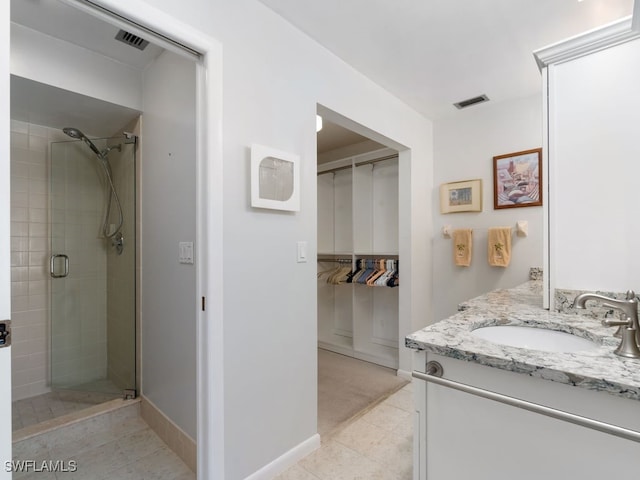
<point x="47" y="406"/>
<point x="111" y="443"/>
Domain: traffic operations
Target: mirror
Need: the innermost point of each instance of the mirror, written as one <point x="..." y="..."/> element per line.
<point x="275" y="179"/>
<point x="592" y="146"/>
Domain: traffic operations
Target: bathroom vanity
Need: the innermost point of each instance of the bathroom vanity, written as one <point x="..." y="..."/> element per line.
<point x="461" y="435"/>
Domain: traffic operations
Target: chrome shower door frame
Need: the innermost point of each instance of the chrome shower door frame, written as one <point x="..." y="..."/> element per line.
<point x="92" y="287"/>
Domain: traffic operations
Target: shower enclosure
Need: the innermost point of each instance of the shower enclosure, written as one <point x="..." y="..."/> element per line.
<point x="93" y="264"/>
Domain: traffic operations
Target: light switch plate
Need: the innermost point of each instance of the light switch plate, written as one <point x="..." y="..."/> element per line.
<point x="302" y="252"/>
<point x="185" y="252"/>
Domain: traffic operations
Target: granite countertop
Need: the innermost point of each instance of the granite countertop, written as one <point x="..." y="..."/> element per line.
<point x="597" y="369"/>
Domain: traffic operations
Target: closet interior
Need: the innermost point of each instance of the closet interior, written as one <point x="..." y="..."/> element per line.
<point x="358" y="261"/>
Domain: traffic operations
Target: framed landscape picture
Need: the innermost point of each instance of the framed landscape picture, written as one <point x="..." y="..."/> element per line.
<point x="517" y="179"/>
<point x="463" y="196"/>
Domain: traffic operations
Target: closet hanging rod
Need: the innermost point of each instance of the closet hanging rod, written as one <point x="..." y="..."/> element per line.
<point x="333" y="170"/>
<point x="359" y="164"/>
<point x="376" y="160"/>
<point x="333" y="256"/>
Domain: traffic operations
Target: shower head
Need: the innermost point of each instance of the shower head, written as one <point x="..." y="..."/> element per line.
<point x="75" y="133"/>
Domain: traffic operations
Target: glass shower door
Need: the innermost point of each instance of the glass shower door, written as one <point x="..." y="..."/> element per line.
<point x="93" y="328"/>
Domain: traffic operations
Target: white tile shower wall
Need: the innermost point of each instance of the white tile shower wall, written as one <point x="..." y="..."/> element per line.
<point x="30" y="251"/>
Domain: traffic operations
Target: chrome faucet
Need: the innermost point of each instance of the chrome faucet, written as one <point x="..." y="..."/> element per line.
<point x="630" y="328"/>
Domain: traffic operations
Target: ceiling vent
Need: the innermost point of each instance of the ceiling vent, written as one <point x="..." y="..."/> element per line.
<point x="471" y="101"/>
<point x="132" y="40"/>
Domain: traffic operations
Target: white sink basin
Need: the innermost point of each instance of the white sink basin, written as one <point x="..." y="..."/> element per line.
<point x="534" y="338"/>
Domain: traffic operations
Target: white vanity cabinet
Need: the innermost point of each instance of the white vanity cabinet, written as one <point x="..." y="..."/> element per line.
<point x="459" y="435"/>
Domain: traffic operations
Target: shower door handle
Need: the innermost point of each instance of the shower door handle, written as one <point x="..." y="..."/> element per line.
<point x="52" y="265"/>
<point x="5" y="333"/>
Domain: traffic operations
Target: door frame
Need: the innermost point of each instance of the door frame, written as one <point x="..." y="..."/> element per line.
<point x="209" y="329"/>
<point x="405" y="250"/>
<point x="5" y="238"/>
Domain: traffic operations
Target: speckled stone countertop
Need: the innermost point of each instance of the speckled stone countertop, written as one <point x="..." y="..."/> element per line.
<point x="597" y="369"/>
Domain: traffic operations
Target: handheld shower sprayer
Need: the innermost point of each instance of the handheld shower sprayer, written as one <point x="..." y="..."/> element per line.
<point x="77" y="134"/>
<point x="115" y="235"/>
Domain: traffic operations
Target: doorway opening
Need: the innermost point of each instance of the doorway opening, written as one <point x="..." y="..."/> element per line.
<point x="358" y="272"/>
<point x="96" y="92"/>
<point x="81" y="225"/>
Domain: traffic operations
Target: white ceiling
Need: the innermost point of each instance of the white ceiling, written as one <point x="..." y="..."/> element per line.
<point x="429" y="53"/>
<point x="433" y="53"/>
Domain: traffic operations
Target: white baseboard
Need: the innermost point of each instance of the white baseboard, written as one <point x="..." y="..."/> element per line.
<point x="176" y="439"/>
<point x="286" y="460"/>
<point x="404" y="374"/>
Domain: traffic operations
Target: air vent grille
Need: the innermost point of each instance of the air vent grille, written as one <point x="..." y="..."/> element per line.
<point x="132" y="40"/>
<point x="471" y="101"/>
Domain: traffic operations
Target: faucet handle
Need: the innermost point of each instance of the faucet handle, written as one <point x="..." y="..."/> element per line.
<point x="622" y="324"/>
<point x="628" y="346"/>
<point x="631" y="295"/>
<point x="617" y="323"/>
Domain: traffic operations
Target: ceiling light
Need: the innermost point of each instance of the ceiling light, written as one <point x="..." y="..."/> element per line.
<point x="318" y="123"/>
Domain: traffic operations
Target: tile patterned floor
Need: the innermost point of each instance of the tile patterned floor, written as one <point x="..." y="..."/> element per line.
<point x="347" y="386"/>
<point x="47" y="406"/>
<point x="377" y="445"/>
<point x="118" y="445"/>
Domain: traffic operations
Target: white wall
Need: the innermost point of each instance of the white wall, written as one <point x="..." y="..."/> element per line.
<point x="168" y="205"/>
<point x="465" y="144"/>
<point x="273" y="79"/>
<point x="595" y="113"/>
<point x="38" y="57"/>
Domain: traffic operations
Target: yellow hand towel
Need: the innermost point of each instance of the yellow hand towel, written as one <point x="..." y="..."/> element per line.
<point x="462" y="246"/>
<point x="499" y="243"/>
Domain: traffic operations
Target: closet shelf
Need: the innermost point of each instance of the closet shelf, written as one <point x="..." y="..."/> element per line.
<point x="359" y="254"/>
<point x="358" y="220"/>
